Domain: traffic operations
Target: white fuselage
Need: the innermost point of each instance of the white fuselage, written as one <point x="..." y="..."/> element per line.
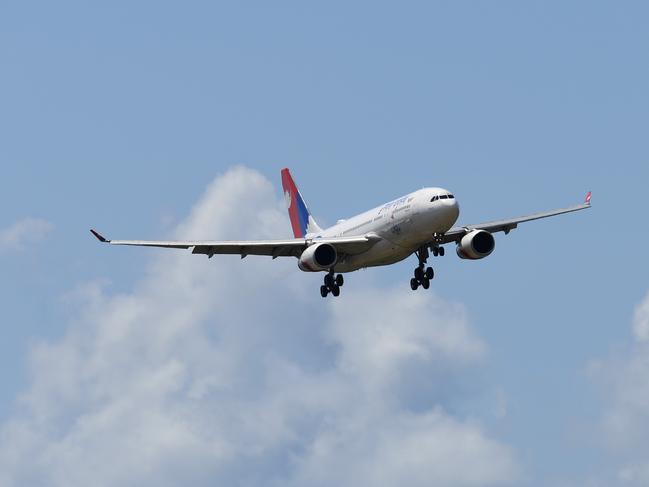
<point x="403" y="225"/>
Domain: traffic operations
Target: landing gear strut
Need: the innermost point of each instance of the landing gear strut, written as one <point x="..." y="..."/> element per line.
<point x="332" y="284"/>
<point x="423" y="274"/>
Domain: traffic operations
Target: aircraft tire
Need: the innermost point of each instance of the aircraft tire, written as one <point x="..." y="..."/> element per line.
<point x="441" y="251"/>
<point x="324" y="291"/>
<point x="419" y="273"/>
<point x="430" y="273"/>
<point x="340" y="280"/>
<point x="414" y="284"/>
<point x="425" y="283"/>
<point x="329" y="280"/>
<point x="335" y="290"/>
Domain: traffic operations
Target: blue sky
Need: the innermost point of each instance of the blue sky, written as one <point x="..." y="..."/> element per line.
<point x="119" y="117"/>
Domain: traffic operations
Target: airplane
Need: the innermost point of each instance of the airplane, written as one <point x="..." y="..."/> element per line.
<point x="418" y="223"/>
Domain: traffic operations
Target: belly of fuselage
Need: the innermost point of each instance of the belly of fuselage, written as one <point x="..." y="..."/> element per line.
<point x="384" y="252"/>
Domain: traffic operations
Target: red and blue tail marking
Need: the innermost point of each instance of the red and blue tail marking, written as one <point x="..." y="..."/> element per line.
<point x="301" y="220"/>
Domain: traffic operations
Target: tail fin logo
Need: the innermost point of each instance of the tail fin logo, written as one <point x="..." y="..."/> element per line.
<point x="301" y="220"/>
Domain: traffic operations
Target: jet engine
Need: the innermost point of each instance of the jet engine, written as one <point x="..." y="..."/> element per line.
<point x="318" y="257"/>
<point x="476" y="244"/>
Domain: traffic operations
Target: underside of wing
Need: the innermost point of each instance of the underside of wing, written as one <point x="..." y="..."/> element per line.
<point x="506" y="225"/>
<point x="287" y="248"/>
<point x="273" y="248"/>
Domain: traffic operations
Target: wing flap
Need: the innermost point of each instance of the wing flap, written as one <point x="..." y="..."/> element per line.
<point x="279" y="249"/>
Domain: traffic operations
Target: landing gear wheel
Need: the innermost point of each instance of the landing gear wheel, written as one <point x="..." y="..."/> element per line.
<point x="441" y="251"/>
<point x="419" y="273"/>
<point x="332" y="284"/>
<point x="329" y="280"/>
<point x="423" y="274"/>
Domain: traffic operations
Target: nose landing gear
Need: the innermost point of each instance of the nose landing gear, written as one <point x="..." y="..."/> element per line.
<point x="332" y="284"/>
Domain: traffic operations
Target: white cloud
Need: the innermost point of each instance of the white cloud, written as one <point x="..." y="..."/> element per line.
<point x="637" y="474"/>
<point x="641" y="320"/>
<point x="625" y="381"/>
<point x="237" y="373"/>
<point x="24" y="232"/>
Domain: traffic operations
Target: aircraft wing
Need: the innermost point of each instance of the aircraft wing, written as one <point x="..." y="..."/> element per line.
<point x="274" y="248"/>
<point x="506" y="225"/>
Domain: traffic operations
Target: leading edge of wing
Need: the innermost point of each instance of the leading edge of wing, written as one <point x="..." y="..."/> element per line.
<point x="508" y="224"/>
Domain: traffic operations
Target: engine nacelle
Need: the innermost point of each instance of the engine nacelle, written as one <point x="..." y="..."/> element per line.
<point x="476" y="244"/>
<point x="318" y="257"/>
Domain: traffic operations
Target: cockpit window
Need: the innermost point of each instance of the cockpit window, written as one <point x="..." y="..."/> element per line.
<point x="442" y="197"/>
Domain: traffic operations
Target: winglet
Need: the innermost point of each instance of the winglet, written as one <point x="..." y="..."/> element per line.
<point x="99" y="236"/>
<point x="587" y="200"/>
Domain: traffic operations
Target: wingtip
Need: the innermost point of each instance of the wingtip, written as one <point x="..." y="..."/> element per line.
<point x="588" y="197"/>
<point x="99" y="236"/>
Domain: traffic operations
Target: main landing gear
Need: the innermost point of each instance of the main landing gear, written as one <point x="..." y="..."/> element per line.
<point x="423" y="274"/>
<point x="332" y="284"/>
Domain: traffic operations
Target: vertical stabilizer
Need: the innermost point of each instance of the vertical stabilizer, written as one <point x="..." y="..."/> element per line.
<point x="301" y="219"/>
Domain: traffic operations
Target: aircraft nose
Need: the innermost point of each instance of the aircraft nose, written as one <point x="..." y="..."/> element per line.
<point x="456" y="208"/>
<point x="450" y="201"/>
<point x="453" y="207"/>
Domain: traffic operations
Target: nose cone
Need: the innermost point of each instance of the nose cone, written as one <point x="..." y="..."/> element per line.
<point x="455" y="210"/>
<point x="441" y="208"/>
<point x="451" y="208"/>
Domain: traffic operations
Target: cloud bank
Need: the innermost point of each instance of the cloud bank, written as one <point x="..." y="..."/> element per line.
<point x="624" y="379"/>
<point x="24" y="232"/>
<point x="224" y="372"/>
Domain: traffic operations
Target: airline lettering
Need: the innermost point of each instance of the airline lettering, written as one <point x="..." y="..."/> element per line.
<point x="393" y="204"/>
